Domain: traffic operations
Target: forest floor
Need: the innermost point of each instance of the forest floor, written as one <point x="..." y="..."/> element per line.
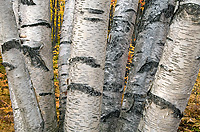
<point x="190" y="122"/>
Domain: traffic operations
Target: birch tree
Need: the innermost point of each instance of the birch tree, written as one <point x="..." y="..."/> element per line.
<point x="116" y="59"/>
<point x="35" y="33"/>
<point x="151" y="38"/>
<point x="64" y="55"/>
<point x="27" y="116"/>
<point x="87" y="60"/>
<point x="178" y="69"/>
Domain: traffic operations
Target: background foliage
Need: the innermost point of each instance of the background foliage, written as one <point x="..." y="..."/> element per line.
<point x="190" y="122"/>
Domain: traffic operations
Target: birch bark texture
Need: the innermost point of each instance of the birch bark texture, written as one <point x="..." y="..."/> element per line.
<point x="152" y="32"/>
<point x="35" y="33"/>
<point x="84" y="96"/>
<point x="116" y="59"/>
<point x="27" y="116"/>
<point x="63" y="58"/>
<point x="178" y="69"/>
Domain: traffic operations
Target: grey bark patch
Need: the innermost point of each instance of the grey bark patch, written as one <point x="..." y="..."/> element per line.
<point x="87" y="60"/>
<point x="94" y="11"/>
<point x="45" y="94"/>
<point x="5" y="64"/>
<point x="35" y="57"/>
<point x="84" y="88"/>
<point x="169" y="11"/>
<point x="48" y="25"/>
<point x="93" y="19"/>
<point x="111" y="114"/>
<point x="27" y="2"/>
<point x="10" y="45"/>
<point x="66" y="42"/>
<point x="113" y="87"/>
<point x="165" y="104"/>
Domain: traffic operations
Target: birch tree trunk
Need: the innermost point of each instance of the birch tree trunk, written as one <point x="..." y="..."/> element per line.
<point x="116" y="59"/>
<point x="152" y="33"/>
<point x="87" y="61"/>
<point x="178" y="69"/>
<point x="36" y="36"/>
<point x="27" y="116"/>
<point x="64" y="55"/>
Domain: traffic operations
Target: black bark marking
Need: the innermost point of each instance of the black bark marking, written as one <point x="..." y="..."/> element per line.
<point x="148" y="66"/>
<point x="169" y="11"/>
<point x="165" y="104"/>
<point x="169" y="39"/>
<point x="191" y="9"/>
<point x="93" y="19"/>
<point x="94" y="11"/>
<point x="10" y="45"/>
<point x="64" y="74"/>
<point x="84" y="88"/>
<point x="111" y="114"/>
<point x="6" y="64"/>
<point x="87" y="60"/>
<point x="35" y="57"/>
<point x="119" y="55"/>
<point x="27" y="2"/>
<point x="45" y="94"/>
<point x="48" y="25"/>
<point x="66" y="42"/>
<point x="130" y="10"/>
<point x="198" y="58"/>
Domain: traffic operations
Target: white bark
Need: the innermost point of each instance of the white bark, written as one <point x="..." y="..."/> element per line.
<point x="27" y="116"/>
<point x="116" y="59"/>
<point x="178" y="69"/>
<point x="87" y="66"/>
<point x="64" y="55"/>
<point x="151" y="38"/>
<point x="35" y="33"/>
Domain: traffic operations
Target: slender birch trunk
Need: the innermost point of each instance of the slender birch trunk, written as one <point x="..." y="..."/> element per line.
<point x="64" y="55"/>
<point x="116" y="59"/>
<point x="152" y="33"/>
<point x="36" y="37"/>
<point x="87" y="61"/>
<point x="27" y="115"/>
<point x="178" y="69"/>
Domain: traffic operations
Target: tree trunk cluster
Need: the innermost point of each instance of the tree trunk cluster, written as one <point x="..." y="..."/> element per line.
<point x="92" y="64"/>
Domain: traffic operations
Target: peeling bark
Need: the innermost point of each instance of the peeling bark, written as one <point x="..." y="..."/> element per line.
<point x="63" y="58"/>
<point x="116" y="59"/>
<point x="35" y="33"/>
<point x="88" y="47"/>
<point x="178" y="69"/>
<point x="152" y="33"/>
<point x="27" y="115"/>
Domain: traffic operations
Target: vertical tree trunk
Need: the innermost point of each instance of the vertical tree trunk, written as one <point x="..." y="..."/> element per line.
<point x="64" y="55"/>
<point x="178" y="69"/>
<point x="84" y="96"/>
<point x="116" y="59"/>
<point x="27" y="116"/>
<point x="149" y="46"/>
<point x="35" y="33"/>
